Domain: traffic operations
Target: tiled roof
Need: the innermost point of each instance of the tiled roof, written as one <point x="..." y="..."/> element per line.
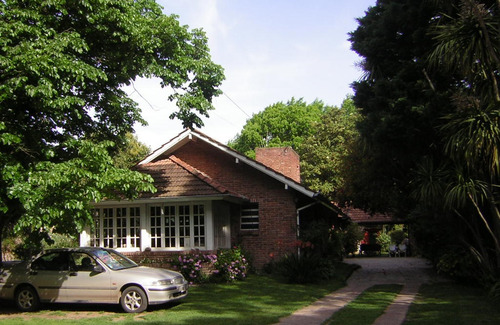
<point x="174" y="178"/>
<point x="363" y="217"/>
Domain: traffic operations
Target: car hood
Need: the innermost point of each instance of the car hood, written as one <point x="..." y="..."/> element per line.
<point x="151" y="272"/>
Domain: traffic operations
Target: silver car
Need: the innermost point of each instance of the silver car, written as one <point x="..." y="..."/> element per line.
<point x="89" y="275"/>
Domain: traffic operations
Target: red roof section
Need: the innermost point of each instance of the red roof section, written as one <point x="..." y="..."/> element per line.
<point x="363" y="217"/>
<point x="174" y="178"/>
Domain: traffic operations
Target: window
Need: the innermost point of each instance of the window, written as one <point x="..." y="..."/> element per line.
<point x="184" y="226"/>
<point x="249" y="217"/>
<point x="177" y="226"/>
<point x="121" y="227"/>
<point x="108" y="225"/>
<point x="170" y="226"/>
<point x="135" y="227"/>
<point x="116" y="228"/>
<point x="155" y="214"/>
<point x="199" y="225"/>
<point x="95" y="238"/>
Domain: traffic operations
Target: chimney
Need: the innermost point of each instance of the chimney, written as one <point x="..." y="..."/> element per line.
<point x="283" y="160"/>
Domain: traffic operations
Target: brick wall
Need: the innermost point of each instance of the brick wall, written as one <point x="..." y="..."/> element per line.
<point x="277" y="212"/>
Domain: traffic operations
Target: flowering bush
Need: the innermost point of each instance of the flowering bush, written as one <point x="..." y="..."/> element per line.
<point x="231" y="265"/>
<point x="192" y="266"/>
<point x="227" y="265"/>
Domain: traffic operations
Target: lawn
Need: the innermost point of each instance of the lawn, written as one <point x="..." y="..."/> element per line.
<point x="257" y="300"/>
<point x="453" y="304"/>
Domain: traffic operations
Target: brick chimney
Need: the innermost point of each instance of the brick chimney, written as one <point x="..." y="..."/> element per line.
<point x="283" y="160"/>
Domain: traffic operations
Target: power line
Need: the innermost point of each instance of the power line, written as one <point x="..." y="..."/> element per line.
<point x="235" y="104"/>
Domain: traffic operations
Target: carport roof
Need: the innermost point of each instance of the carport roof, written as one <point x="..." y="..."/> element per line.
<point x="360" y="216"/>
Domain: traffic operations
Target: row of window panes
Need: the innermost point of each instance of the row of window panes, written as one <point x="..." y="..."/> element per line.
<point x="171" y="226"/>
<point x="128" y="227"/>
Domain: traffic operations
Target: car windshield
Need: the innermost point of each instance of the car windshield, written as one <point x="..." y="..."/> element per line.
<point x="114" y="260"/>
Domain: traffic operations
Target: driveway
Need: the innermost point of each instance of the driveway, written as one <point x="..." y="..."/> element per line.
<point x="411" y="272"/>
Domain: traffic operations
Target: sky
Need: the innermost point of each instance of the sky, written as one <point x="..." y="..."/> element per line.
<point x="271" y="51"/>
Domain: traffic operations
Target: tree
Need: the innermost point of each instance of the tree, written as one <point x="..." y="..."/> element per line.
<point x="324" y="154"/>
<point x="131" y="152"/>
<point x="278" y="125"/>
<point x="467" y="41"/>
<point x="430" y="132"/>
<point x="401" y="101"/>
<point x="62" y="65"/>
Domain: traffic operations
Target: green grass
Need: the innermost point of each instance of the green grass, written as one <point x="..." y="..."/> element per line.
<point x="368" y="306"/>
<point x="257" y="300"/>
<point x="449" y="303"/>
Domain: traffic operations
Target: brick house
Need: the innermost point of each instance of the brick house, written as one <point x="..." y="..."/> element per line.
<point x="211" y="197"/>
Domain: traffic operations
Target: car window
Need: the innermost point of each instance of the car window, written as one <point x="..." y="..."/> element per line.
<point x="52" y="261"/>
<point x="82" y="262"/>
<point x="114" y="260"/>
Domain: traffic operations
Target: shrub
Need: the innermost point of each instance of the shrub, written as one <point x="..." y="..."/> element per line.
<point x="227" y="265"/>
<point x="397" y="236"/>
<point x="351" y="237"/>
<point x="384" y="240"/>
<point x="306" y="268"/>
<point x="192" y="266"/>
<point x="459" y="264"/>
<point x="324" y="239"/>
<point x="231" y="265"/>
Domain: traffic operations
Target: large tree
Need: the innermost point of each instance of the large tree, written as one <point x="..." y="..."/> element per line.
<point x="280" y="124"/>
<point x="400" y="99"/>
<point x="326" y="154"/>
<point x="430" y="131"/>
<point x="62" y="67"/>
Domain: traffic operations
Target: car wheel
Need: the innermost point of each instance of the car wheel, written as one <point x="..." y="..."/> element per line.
<point x="134" y="300"/>
<point x="27" y="299"/>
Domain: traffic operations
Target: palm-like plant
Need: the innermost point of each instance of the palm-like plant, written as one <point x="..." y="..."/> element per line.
<point x="469" y="44"/>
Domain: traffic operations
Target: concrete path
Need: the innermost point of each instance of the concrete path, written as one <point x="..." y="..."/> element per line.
<point x="408" y="271"/>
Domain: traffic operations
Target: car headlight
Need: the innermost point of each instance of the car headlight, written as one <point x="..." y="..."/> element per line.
<point x="163" y="282"/>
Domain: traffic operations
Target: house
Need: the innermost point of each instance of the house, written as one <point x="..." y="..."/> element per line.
<point x="211" y="197"/>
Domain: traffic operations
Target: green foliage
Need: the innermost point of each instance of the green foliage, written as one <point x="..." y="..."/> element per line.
<point x="384" y="240"/>
<point x="59" y="195"/>
<point x="319" y="248"/>
<point x="325" y="152"/>
<point x="305" y="268"/>
<point x="279" y="125"/>
<point x="351" y="237"/>
<point x="397" y="236"/>
<point x="321" y="238"/>
<point x="63" y="65"/>
<point x="459" y="264"/>
<point x="401" y="102"/>
<point x="430" y="129"/>
<point x="131" y="152"/>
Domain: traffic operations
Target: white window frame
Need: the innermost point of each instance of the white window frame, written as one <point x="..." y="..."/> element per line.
<point x="113" y="228"/>
<point x="189" y="227"/>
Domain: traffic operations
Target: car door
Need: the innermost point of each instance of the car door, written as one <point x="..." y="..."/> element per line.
<point x="48" y="273"/>
<point x="84" y="284"/>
